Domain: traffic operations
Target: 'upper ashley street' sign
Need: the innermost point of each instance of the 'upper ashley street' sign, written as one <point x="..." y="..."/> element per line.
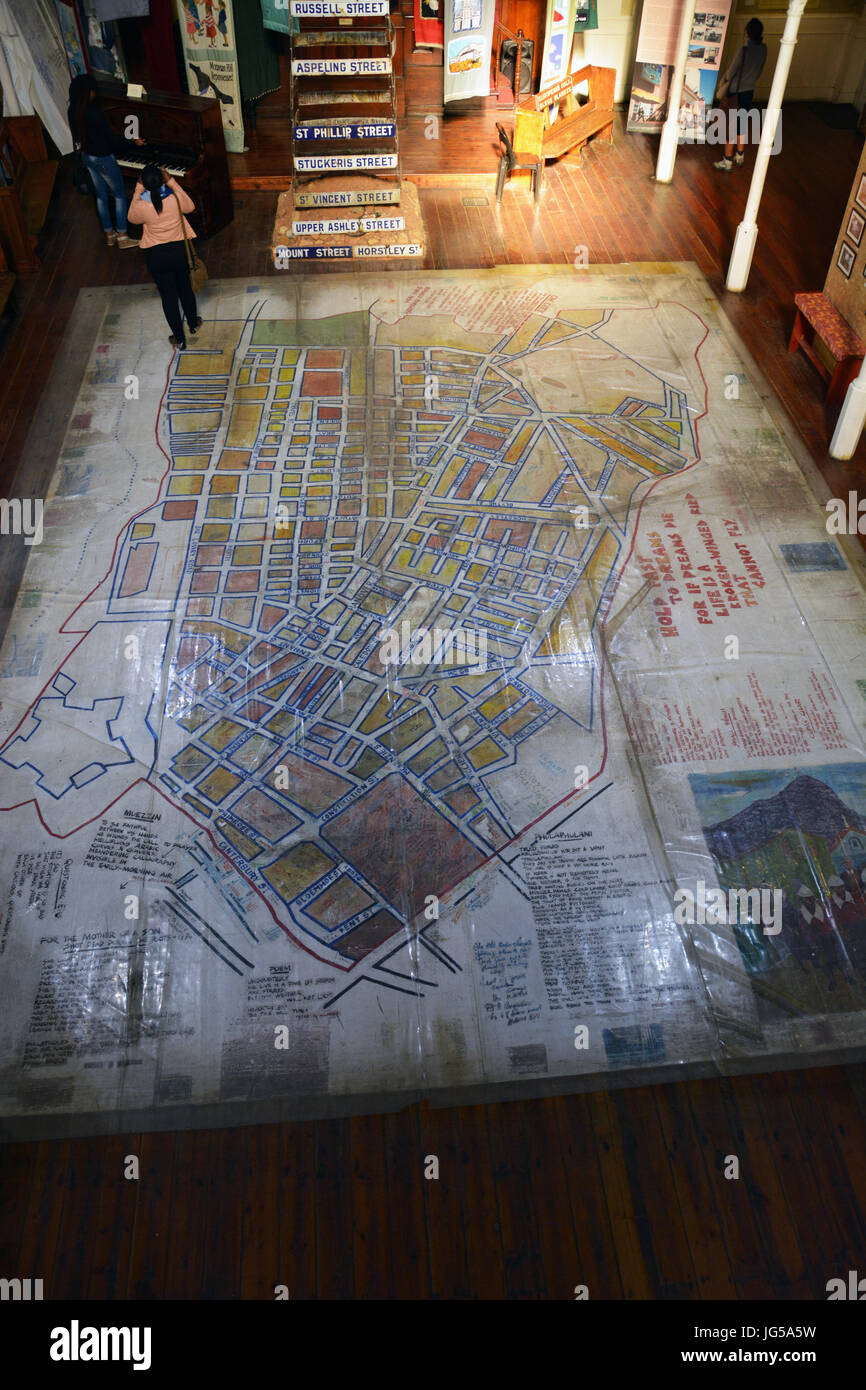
<point x="329" y="225"/>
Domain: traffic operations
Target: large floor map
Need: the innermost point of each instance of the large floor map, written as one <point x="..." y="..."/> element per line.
<point x="394" y="664"/>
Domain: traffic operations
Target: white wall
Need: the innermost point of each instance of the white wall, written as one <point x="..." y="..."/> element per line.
<point x="829" y="60"/>
<point x="611" y="44"/>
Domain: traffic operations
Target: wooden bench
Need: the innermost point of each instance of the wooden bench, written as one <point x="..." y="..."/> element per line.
<point x="818" y="318"/>
<point x="27" y="176"/>
<point x="577" y="123"/>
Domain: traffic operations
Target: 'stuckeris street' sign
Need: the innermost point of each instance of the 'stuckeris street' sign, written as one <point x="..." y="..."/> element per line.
<point x="322" y="163"/>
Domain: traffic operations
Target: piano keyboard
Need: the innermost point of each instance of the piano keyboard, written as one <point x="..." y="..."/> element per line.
<point x="174" y="163"/>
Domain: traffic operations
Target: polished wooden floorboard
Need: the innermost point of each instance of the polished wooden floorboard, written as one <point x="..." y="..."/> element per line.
<point x="625" y="1191"/>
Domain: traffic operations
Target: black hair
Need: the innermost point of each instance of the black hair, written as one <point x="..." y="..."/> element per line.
<point x="755" y="30"/>
<point x="151" y="177"/>
<point x="80" y="90"/>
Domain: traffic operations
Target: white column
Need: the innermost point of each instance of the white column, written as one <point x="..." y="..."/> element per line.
<point x="849" y="425"/>
<point x="747" y="232"/>
<point x="671" y="128"/>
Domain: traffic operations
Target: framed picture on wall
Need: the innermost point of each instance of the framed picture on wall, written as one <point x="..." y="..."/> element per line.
<point x="860" y="195"/>
<point x="856" y="224"/>
<point x="845" y="259"/>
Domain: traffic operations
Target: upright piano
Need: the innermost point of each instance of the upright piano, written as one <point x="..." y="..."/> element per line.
<point x="185" y="136"/>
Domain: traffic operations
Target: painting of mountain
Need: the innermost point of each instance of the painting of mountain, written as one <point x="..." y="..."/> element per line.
<point x="803" y="833"/>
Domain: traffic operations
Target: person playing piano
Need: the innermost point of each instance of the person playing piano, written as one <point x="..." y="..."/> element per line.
<point x="159" y="204"/>
<point x="99" y="145"/>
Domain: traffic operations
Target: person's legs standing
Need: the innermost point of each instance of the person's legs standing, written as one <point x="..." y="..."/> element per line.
<point x="100" y="187"/>
<point x="744" y="106"/>
<point x="114" y="180"/>
<point x="168" y="289"/>
<point x="187" y="297"/>
<point x="108" y="183"/>
<point x="736" y="119"/>
<point x="161" y="264"/>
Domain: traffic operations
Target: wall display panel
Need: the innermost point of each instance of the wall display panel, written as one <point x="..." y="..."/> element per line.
<point x="845" y="285"/>
<point x="468" y="40"/>
<point x="654" y="64"/>
<point x="558" y="38"/>
<point x="208" y="40"/>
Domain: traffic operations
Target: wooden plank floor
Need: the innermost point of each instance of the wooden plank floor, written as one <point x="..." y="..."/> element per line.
<point x="623" y="1192"/>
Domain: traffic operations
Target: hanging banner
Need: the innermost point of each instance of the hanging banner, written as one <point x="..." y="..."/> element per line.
<point x="34" y="67"/>
<point x="276" y="16"/>
<point x="101" y="38"/>
<point x="558" y="35"/>
<point x="429" y="29"/>
<point x="73" y="39"/>
<point x="208" y="37"/>
<point x="585" y="15"/>
<point x="654" y="64"/>
<point x="468" y="39"/>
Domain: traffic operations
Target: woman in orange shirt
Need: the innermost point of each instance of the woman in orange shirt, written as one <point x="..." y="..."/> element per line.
<point x="158" y="204"/>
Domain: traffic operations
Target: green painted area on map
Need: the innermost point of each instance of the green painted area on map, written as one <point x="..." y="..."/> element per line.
<point x="345" y="330"/>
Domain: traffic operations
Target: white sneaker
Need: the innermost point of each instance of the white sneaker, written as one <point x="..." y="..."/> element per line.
<point x="724" y="164"/>
<point x="739" y="159"/>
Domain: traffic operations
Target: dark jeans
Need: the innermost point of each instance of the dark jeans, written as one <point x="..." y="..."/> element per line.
<point x="107" y="182"/>
<point x="170" y="269"/>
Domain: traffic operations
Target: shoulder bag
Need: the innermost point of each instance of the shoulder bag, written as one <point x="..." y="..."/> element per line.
<point x="197" y="267"/>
